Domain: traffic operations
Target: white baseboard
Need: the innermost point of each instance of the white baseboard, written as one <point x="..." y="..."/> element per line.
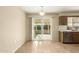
<point x="17" y="48"/>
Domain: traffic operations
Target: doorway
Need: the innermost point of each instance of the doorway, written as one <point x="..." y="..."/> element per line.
<point x="41" y="28"/>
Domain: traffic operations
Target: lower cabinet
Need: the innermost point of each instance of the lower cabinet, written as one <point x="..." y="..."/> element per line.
<point x="75" y="37"/>
<point x="67" y="37"/>
<point x="70" y="37"/>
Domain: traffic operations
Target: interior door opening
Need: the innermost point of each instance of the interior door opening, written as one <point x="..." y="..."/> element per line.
<point x="41" y="29"/>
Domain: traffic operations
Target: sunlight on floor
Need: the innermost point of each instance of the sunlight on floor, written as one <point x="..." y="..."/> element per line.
<point x="48" y="47"/>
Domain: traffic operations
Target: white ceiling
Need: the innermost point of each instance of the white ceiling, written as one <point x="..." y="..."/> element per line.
<point x="51" y="9"/>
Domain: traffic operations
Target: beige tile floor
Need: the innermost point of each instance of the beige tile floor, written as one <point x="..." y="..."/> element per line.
<point x="48" y="47"/>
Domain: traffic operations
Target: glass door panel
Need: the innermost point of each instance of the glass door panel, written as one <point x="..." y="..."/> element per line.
<point x="46" y="27"/>
<point x="42" y="29"/>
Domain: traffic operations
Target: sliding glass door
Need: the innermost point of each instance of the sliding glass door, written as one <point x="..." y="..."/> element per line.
<point x="41" y="29"/>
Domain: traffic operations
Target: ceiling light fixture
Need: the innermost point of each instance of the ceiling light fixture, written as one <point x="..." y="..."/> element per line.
<point x="42" y="13"/>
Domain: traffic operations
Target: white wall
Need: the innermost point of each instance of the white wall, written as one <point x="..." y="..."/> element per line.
<point x="28" y="28"/>
<point x="12" y="28"/>
<point x="55" y="24"/>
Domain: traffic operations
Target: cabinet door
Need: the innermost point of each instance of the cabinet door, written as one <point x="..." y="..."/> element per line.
<point x="75" y="36"/>
<point x="63" y="20"/>
<point x="67" y="37"/>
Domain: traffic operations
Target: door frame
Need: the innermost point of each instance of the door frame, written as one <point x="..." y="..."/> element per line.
<point x="41" y="18"/>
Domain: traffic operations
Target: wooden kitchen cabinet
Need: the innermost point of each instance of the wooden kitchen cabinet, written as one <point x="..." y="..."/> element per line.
<point x="69" y="37"/>
<point x="75" y="36"/>
<point x="62" y="20"/>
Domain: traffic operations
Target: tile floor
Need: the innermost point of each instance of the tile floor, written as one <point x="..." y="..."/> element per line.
<point x="48" y="47"/>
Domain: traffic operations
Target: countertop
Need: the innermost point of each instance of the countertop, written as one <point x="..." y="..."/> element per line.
<point x="68" y="31"/>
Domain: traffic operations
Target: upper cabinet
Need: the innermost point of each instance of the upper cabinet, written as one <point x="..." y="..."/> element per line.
<point x="69" y="21"/>
<point x="73" y="21"/>
<point x="63" y="20"/>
